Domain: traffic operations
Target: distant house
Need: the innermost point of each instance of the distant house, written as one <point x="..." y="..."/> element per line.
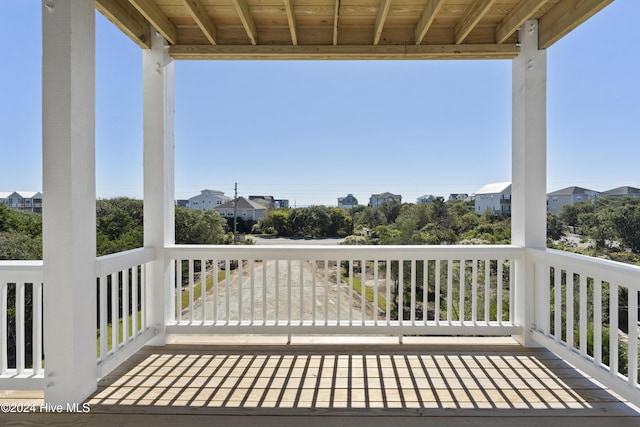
<point x="182" y="203"/>
<point x="622" y="192"/>
<point x="377" y="200"/>
<point x="267" y="201"/>
<point x="348" y="202"/>
<point x="245" y="209"/>
<point x="208" y="199"/>
<point x="569" y="196"/>
<point x="282" y="203"/>
<point x="495" y="198"/>
<point x="460" y="197"/>
<point x="23" y="200"/>
<point x="427" y="198"/>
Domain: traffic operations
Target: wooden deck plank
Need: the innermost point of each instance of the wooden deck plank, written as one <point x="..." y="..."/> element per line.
<point x="480" y="385"/>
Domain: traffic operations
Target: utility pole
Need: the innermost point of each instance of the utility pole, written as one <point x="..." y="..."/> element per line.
<point x="235" y="216"/>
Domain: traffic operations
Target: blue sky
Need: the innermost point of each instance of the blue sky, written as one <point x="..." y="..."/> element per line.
<point x="313" y="131"/>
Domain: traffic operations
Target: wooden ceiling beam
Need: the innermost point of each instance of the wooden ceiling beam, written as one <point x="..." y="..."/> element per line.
<point x="510" y="24"/>
<point x="200" y="15"/>
<point x="564" y="17"/>
<point x="340" y="52"/>
<point x="383" y="11"/>
<point x="336" y="18"/>
<point x="150" y="10"/>
<point x="470" y="19"/>
<point x="426" y="19"/>
<point x="247" y="21"/>
<point x="127" y="19"/>
<point x="291" y="17"/>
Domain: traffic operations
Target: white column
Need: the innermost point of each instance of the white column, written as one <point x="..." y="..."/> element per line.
<point x="69" y="200"/>
<point x="529" y="166"/>
<point x="159" y="222"/>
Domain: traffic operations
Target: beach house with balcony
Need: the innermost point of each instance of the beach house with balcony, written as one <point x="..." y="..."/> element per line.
<point x="556" y="313"/>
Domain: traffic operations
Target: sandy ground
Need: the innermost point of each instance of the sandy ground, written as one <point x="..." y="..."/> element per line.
<point x="275" y="297"/>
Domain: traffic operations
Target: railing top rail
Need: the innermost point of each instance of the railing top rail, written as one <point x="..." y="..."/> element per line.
<point x="344" y="251"/>
<point x="619" y="272"/>
<point x="114" y="263"/>
<point x="21" y="265"/>
<point x="21" y="271"/>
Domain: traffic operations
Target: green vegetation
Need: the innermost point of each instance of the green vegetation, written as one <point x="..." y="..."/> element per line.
<point x="197" y="289"/>
<point x="609" y="228"/>
<point x="369" y="293"/>
<point x="312" y="222"/>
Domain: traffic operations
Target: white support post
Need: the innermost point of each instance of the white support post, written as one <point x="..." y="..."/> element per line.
<point x="529" y="168"/>
<point x="159" y="222"/>
<point x="69" y="200"/>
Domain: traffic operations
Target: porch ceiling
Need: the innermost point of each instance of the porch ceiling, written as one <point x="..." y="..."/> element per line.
<point x="345" y="29"/>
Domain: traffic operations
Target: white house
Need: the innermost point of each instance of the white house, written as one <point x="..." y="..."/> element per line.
<point x="348" y="202"/>
<point x="460" y="197"/>
<point x="569" y="196"/>
<point x="377" y="200"/>
<point x="208" y="199"/>
<point x="23" y="200"/>
<point x="245" y="209"/>
<point x="495" y="198"/>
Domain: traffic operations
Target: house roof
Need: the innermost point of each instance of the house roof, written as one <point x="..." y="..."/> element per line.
<point x="622" y="191"/>
<point x="385" y="195"/>
<point x="242" y="204"/>
<point x="218" y="192"/>
<point x="27" y="194"/>
<point x="571" y="191"/>
<point x="4" y="195"/>
<point x="347" y="29"/>
<point x="494" y="188"/>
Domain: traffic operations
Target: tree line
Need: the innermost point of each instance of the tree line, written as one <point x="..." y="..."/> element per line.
<point x="119" y="227"/>
<point x="611" y="225"/>
<point x="393" y="223"/>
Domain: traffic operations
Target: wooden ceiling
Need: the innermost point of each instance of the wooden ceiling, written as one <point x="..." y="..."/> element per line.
<point x="345" y="29"/>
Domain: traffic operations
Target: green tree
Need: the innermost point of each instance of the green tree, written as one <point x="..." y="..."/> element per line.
<point x="119" y="225"/>
<point x="369" y="217"/>
<point x="276" y="222"/>
<point x="555" y="229"/>
<point x="391" y="210"/>
<point x="341" y="223"/>
<point x="196" y="227"/>
<point x="625" y="221"/>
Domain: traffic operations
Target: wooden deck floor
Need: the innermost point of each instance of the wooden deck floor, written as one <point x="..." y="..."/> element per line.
<point x="484" y="384"/>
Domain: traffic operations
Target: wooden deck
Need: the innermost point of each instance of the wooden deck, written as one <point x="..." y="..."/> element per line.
<point x="496" y="383"/>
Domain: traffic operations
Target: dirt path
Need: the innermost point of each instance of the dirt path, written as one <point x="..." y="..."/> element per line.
<point x="275" y="297"/>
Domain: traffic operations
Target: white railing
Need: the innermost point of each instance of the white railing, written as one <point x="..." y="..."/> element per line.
<point x="318" y="290"/>
<point x="21" y="325"/>
<point x="587" y="312"/>
<point x="122" y="305"/>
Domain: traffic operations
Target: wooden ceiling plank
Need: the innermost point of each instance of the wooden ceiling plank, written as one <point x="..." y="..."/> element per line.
<point x="383" y="11"/>
<point x="336" y="18"/>
<point x="340" y="52"/>
<point x="291" y="17"/>
<point x="200" y="15"/>
<point x="564" y="17"/>
<point x="510" y="24"/>
<point x="127" y="19"/>
<point x="426" y="19"/>
<point x="470" y="19"/>
<point x="150" y="10"/>
<point x="247" y="21"/>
